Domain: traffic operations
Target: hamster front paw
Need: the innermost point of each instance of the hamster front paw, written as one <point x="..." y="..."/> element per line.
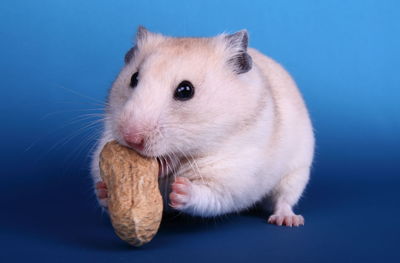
<point x="181" y="191"/>
<point x="102" y="193"/>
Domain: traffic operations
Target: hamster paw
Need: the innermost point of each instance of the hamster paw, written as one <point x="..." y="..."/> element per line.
<point x="101" y="193"/>
<point x="180" y="195"/>
<point x="286" y="220"/>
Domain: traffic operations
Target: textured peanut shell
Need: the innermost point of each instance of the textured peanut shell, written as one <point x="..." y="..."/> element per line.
<point x="134" y="200"/>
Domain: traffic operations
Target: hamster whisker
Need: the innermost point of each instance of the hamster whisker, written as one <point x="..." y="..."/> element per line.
<point x="90" y="137"/>
<point x="93" y="133"/>
<point x="83" y="95"/>
<point x="65" y="111"/>
<point x="165" y="178"/>
<point x="186" y="129"/>
<point x="93" y="115"/>
<point x="73" y="135"/>
<point x="64" y="141"/>
<point x="197" y="167"/>
<point x="173" y="157"/>
<point x="70" y="122"/>
<point x="103" y="105"/>
<point x="88" y="142"/>
<point x="196" y="172"/>
<point x="96" y="142"/>
<point x="142" y="133"/>
<point x="167" y="166"/>
<point x="87" y="117"/>
<point x="160" y="166"/>
<point x="207" y="124"/>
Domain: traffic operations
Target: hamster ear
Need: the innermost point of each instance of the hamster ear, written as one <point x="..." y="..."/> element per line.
<point x="130" y="54"/>
<point x="236" y="45"/>
<point x="142" y="35"/>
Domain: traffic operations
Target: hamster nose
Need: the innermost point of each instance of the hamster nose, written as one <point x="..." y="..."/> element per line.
<point x="135" y="141"/>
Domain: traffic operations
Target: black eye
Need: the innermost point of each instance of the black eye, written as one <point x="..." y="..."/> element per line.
<point x="184" y="91"/>
<point x="134" y="80"/>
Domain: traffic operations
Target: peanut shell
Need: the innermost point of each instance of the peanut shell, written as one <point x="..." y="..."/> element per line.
<point x="134" y="200"/>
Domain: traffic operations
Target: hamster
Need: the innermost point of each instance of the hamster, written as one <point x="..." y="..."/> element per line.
<point x="228" y="125"/>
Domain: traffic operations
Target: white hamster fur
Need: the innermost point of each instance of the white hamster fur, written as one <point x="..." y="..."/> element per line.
<point x="243" y="138"/>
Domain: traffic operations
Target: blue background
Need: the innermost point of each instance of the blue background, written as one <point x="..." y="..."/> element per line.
<point x="58" y="58"/>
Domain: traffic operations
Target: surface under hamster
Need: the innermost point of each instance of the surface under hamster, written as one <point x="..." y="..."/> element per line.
<point x="54" y="220"/>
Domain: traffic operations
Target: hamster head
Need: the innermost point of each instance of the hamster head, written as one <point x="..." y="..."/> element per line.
<point x="178" y="96"/>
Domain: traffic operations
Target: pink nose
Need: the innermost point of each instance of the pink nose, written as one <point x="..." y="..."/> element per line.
<point x="135" y="141"/>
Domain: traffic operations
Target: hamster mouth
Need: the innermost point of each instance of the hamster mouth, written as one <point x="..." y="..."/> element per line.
<point x="166" y="164"/>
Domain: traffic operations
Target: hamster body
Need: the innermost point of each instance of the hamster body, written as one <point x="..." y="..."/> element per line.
<point x="227" y="123"/>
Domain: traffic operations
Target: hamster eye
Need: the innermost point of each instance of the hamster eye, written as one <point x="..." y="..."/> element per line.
<point x="184" y="91"/>
<point x="134" y="80"/>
